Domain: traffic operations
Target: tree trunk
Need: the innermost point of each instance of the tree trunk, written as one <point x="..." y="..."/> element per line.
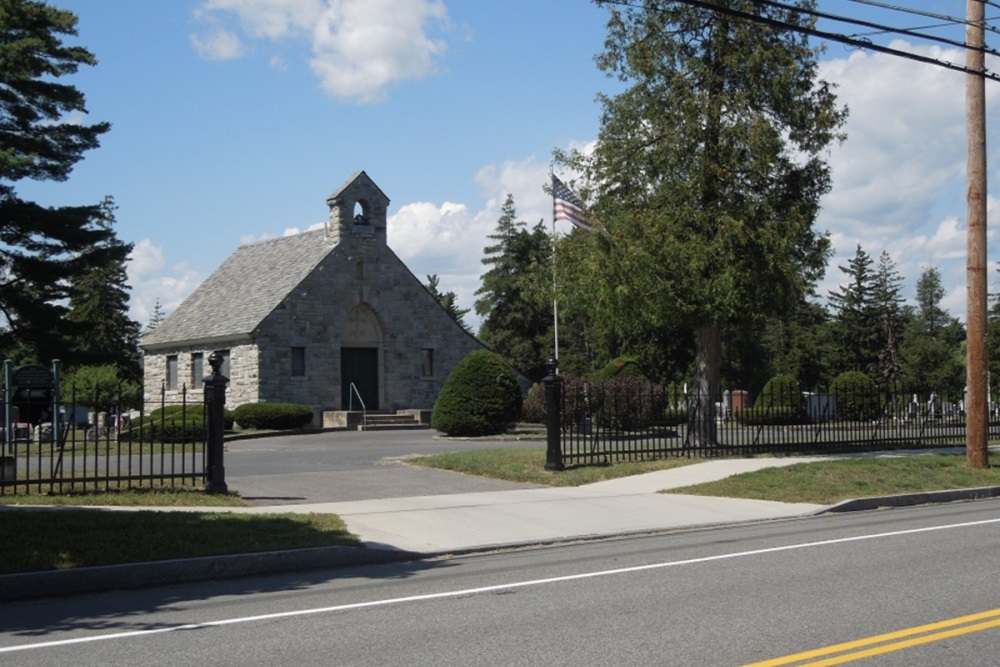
<point x="702" y="428"/>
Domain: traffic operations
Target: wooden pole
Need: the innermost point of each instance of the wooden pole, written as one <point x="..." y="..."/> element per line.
<point x="977" y="423"/>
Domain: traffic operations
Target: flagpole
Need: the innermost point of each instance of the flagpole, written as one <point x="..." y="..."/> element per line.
<point x="555" y="297"/>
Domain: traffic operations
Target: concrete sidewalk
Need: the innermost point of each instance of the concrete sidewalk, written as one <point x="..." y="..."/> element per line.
<point x="478" y="521"/>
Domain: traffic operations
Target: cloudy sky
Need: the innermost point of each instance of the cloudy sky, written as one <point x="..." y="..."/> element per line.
<point x="233" y="120"/>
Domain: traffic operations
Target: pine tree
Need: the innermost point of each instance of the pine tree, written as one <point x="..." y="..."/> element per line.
<point x="449" y="301"/>
<point x="43" y="250"/>
<point x="855" y="322"/>
<point x="98" y="304"/>
<point x="514" y="306"/>
<point x="887" y="301"/>
<point x="932" y="341"/>
<point x="155" y="318"/>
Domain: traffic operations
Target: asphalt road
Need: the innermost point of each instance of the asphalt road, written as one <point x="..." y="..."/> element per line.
<point x="728" y="596"/>
<point x="351" y="465"/>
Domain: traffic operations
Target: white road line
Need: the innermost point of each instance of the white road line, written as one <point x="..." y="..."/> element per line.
<point x="488" y="589"/>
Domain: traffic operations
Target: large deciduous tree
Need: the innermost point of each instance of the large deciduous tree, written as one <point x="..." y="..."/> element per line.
<point x="707" y="172"/>
<point x="43" y="250"/>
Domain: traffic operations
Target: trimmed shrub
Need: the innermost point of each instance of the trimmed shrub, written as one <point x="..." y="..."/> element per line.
<point x="628" y="403"/>
<point x="620" y="367"/>
<point x="775" y="415"/>
<point x="857" y="396"/>
<point x="781" y="390"/>
<point x="480" y="397"/>
<point x="276" y="416"/>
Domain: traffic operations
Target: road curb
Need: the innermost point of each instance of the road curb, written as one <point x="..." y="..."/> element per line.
<point x="910" y="499"/>
<point x="76" y="581"/>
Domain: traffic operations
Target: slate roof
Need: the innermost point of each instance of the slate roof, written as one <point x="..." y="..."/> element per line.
<point x="244" y="290"/>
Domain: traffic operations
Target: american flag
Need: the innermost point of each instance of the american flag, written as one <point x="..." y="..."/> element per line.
<point x="567" y="207"/>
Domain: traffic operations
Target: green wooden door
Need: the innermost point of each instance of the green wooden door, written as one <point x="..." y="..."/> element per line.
<point x="360" y="366"/>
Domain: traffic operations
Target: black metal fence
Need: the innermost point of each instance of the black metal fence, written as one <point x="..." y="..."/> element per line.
<point x="101" y="448"/>
<point x="631" y="419"/>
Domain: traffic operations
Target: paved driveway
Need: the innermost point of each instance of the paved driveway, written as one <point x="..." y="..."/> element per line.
<point x="350" y="465"/>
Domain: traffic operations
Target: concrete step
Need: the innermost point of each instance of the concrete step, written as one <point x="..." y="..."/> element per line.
<point x="394" y="422"/>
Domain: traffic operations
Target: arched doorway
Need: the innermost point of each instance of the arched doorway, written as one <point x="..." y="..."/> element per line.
<point x="361" y="359"/>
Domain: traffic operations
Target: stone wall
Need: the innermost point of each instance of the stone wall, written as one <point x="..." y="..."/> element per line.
<point x="243" y="374"/>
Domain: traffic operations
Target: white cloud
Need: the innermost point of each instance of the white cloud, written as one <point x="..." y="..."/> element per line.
<point x="359" y="47"/>
<point x="899" y="179"/>
<point x="219" y="45"/>
<point x="151" y="281"/>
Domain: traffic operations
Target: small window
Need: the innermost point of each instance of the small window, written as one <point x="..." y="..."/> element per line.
<point x="172" y="372"/>
<point x="298" y="362"/>
<point x="427" y="361"/>
<point x="197" y="370"/>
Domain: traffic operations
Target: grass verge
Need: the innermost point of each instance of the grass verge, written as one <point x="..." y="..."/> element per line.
<point x="133" y="497"/>
<point x="528" y="466"/>
<point x="829" y="482"/>
<point x="59" y="538"/>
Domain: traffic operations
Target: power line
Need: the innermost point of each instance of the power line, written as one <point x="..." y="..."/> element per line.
<point x="836" y="37"/>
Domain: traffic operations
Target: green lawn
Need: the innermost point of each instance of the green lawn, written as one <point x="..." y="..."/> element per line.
<point x="829" y="482"/>
<point x="69" y="537"/>
<point x="528" y="465"/>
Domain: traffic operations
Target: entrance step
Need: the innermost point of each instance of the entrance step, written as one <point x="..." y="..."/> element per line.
<point x="401" y="420"/>
<point x="378" y="421"/>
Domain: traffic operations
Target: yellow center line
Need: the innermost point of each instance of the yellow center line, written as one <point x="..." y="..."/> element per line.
<point x="889" y="637"/>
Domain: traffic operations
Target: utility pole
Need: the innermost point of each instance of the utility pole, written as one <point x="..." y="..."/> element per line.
<point x="977" y="423"/>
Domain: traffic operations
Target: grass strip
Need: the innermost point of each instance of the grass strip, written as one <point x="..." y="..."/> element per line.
<point x="58" y="538"/>
<point x="180" y="496"/>
<point x="528" y="466"/>
<point x="829" y="482"/>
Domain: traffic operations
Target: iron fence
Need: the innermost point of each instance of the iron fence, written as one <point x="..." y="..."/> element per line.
<point x="103" y="446"/>
<point x="631" y="419"/>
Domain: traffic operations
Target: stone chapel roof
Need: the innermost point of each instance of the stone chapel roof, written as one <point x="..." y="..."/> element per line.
<point x="244" y="290"/>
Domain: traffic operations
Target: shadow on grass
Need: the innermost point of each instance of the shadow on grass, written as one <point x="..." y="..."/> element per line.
<point x="66" y="537"/>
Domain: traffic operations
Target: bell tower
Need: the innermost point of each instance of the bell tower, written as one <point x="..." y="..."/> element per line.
<point x="357" y="211"/>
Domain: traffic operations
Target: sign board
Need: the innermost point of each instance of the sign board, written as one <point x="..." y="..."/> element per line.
<point x="33" y="382"/>
<point x="35" y="376"/>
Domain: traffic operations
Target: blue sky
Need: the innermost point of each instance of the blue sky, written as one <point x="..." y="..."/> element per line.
<point x="233" y="120"/>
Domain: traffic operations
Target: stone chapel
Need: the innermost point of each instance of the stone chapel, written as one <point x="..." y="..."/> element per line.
<point x="329" y="318"/>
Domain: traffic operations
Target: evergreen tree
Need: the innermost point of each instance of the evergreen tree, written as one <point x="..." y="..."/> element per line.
<point x="855" y="325"/>
<point x="707" y="173"/>
<point x="155" y="318"/>
<point x="98" y="304"/>
<point x="448" y="301"/>
<point x="43" y="250"/>
<point x="933" y="341"/>
<point x="516" y="309"/>
<point x="887" y="301"/>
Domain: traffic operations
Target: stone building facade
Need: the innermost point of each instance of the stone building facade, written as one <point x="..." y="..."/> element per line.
<point x="329" y="318"/>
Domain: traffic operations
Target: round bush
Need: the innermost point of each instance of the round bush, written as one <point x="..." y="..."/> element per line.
<point x="628" y="403"/>
<point x="277" y="416"/>
<point x="480" y="397"/>
<point x="781" y="390"/>
<point x="857" y="396"/>
<point x="620" y="367"/>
